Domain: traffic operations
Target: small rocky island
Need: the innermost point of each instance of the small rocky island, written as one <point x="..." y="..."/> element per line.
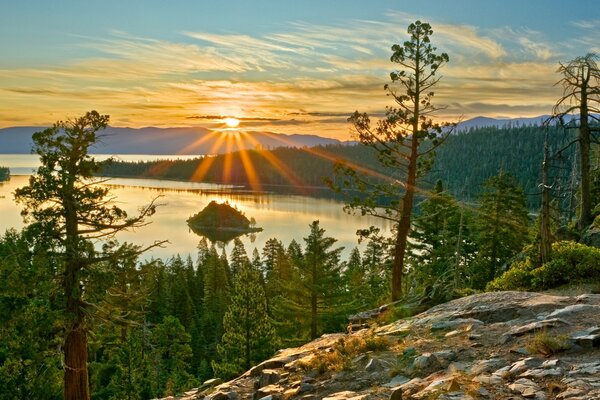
<point x="220" y="222"/>
<point x="4" y="174"/>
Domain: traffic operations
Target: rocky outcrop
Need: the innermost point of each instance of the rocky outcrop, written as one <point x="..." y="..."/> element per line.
<point x="503" y="345"/>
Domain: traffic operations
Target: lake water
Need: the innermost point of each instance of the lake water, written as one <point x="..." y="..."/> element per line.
<point x="284" y="217"/>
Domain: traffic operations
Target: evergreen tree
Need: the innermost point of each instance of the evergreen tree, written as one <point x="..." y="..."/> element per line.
<point x="170" y="357"/>
<point x="249" y="336"/>
<point x="398" y="142"/>
<point x="441" y="247"/>
<point x="238" y="258"/>
<point x="317" y="294"/>
<point x="69" y="213"/>
<point x="216" y="300"/>
<point x="30" y="365"/>
<point x="501" y="227"/>
<point x="581" y="102"/>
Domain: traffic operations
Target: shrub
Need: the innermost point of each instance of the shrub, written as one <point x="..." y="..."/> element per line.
<point x="571" y="263"/>
<point x="543" y="343"/>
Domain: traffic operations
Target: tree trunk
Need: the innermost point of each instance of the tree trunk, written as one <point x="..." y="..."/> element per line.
<point x="76" y="372"/>
<point x="585" y="212"/>
<point x="545" y="239"/>
<point x="407" y="200"/>
<point x="585" y="206"/>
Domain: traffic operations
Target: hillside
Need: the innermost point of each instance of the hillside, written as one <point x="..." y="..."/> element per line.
<point x="151" y="140"/>
<point x="463" y="163"/>
<point x="503" y="345"/>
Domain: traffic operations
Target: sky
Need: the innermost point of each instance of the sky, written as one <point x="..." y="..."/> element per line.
<point x="278" y="66"/>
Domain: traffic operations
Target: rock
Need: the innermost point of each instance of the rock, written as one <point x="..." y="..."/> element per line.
<point x="484" y="366"/>
<point x="210" y="383"/>
<point x="488" y="379"/>
<point x="426" y="363"/>
<point x="221" y="395"/>
<point x="571" y="310"/>
<point x="586" y="369"/>
<point x="305" y="387"/>
<point x="587" y="338"/>
<point x="346" y="395"/>
<point x="273" y="363"/>
<point x="268" y="377"/>
<point x="446" y="384"/>
<point x="397" y="381"/>
<point x="274" y="390"/>
<point x="396" y="394"/>
<point x="520" y="350"/>
<point x="522" y="365"/>
<point x="445" y="357"/>
<point x="455" y="396"/>
<point x="536" y="326"/>
<point x="455" y="323"/>
<point x="374" y="365"/>
<point x="525" y="388"/>
<point x="539" y="373"/>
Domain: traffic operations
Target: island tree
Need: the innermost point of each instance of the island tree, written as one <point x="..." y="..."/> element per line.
<point x="578" y="108"/>
<point x="68" y="211"/>
<point x="404" y="141"/>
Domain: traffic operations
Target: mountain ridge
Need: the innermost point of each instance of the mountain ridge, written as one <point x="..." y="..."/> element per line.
<point x="197" y="140"/>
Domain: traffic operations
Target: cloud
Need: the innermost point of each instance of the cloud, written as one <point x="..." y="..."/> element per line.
<point x="303" y="78"/>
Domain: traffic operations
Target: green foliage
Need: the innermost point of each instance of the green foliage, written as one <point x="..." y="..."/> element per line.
<point x="4" y="174"/>
<point x="220" y="222"/>
<point x="458" y="163"/>
<point x="219" y="215"/>
<point x="442" y="245"/>
<point x="249" y="334"/>
<point x="501" y="227"/>
<point x="570" y="263"/>
<point x="29" y="361"/>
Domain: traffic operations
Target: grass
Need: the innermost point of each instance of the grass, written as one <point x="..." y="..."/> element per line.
<point x="340" y="355"/>
<point x="546" y="345"/>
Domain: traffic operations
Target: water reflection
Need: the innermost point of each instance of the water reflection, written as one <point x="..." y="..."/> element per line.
<point x="285" y="217"/>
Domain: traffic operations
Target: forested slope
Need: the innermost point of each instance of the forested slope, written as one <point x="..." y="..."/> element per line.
<point x="464" y="162"/>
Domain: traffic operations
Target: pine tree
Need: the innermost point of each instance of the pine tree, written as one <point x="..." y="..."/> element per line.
<point x="249" y="336"/>
<point x="238" y="258"/>
<point x="64" y="209"/>
<point x="440" y="245"/>
<point x="170" y="356"/>
<point x="317" y="293"/>
<point x="398" y="142"/>
<point x="216" y="300"/>
<point x="501" y="227"/>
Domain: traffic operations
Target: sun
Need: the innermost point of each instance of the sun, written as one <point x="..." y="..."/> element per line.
<point x="231" y="122"/>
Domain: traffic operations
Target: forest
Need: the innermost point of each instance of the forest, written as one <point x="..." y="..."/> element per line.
<point x="458" y="163"/>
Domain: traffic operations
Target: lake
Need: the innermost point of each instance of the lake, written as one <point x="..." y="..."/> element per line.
<point x="282" y="216"/>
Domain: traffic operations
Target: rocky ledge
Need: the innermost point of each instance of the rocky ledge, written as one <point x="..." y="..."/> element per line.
<point x="503" y="345"/>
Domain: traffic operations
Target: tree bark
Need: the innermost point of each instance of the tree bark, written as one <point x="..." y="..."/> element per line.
<point x="585" y="212"/>
<point x="76" y="371"/>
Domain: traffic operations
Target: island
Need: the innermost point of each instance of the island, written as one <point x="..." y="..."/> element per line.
<point x="4" y="174"/>
<point x="220" y="222"/>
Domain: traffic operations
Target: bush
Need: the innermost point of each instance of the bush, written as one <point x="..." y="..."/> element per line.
<point x="571" y="263"/>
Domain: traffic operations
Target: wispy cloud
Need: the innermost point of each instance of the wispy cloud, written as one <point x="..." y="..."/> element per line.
<point x="305" y="78"/>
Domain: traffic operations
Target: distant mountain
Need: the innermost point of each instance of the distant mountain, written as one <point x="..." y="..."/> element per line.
<point x="153" y="140"/>
<point x="484" y="122"/>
